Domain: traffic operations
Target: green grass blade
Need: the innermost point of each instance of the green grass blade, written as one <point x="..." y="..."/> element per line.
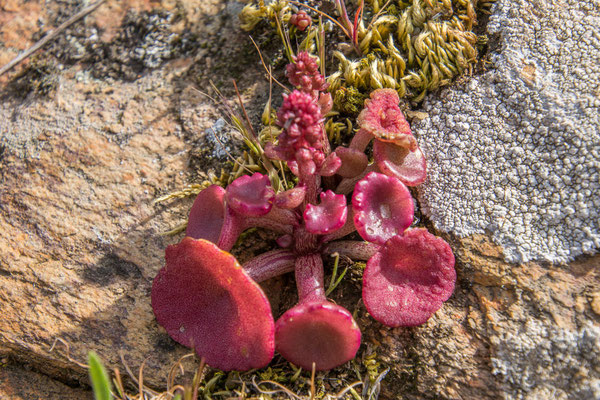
<point x="99" y="378"/>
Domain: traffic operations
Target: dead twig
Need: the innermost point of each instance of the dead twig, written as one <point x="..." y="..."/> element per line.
<point x="50" y="35"/>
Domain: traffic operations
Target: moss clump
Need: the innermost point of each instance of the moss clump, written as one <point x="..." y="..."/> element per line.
<point x="413" y="46"/>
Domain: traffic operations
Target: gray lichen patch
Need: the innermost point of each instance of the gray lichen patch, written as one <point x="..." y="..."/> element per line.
<point x="515" y="152"/>
<point x="549" y="362"/>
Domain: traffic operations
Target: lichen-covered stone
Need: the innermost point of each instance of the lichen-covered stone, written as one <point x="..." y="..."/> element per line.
<point x="514" y="151"/>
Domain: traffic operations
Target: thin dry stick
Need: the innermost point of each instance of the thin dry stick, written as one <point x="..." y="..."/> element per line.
<point x="312" y="381"/>
<point x="141" y="380"/>
<point x="378" y="14"/>
<point x="171" y="375"/>
<point x="68" y="354"/>
<point x="198" y="378"/>
<point x="265" y="66"/>
<point x="119" y="384"/>
<point x="49" y="36"/>
<point x="132" y="376"/>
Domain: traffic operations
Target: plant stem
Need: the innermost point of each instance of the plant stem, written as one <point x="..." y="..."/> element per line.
<point x="270" y="264"/>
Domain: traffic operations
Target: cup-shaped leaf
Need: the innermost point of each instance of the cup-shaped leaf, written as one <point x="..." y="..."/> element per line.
<point x="328" y="216"/>
<point x="250" y="196"/>
<point x="353" y="162"/>
<point x="205" y="300"/>
<point x="409" y="279"/>
<point x="207" y="214"/>
<point x="291" y="198"/>
<point x="319" y="332"/>
<point x="383" y="207"/>
<point x="407" y="165"/>
<point x="383" y="119"/>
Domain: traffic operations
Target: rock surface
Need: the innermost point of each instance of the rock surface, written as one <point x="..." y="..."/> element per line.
<point x="83" y="156"/>
<point x="20" y="384"/>
<point x="515" y="152"/>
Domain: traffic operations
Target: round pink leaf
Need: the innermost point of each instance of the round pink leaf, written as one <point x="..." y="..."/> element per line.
<point x="383" y="207"/>
<point x="250" y="196"/>
<point x="328" y="216"/>
<point x="319" y="332"/>
<point x="409" y="279"/>
<point x="207" y="214"/>
<point x="205" y="300"/>
<point x="408" y="166"/>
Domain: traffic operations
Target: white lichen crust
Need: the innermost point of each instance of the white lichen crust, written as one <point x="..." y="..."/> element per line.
<point x="515" y="152"/>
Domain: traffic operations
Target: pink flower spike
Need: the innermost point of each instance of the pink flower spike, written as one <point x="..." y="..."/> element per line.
<point x="409" y="279"/>
<point x="409" y="166"/>
<point x="353" y="162"/>
<point x="205" y="300"/>
<point x="207" y="214"/>
<point x="304" y="73"/>
<point x="250" y="196"/>
<point x="328" y="216"/>
<point x="383" y="119"/>
<point x="383" y="207"/>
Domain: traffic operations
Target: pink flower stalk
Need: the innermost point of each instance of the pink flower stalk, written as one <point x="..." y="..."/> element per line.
<point x="303" y="138"/>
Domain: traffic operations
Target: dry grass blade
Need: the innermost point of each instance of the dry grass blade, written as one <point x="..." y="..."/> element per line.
<point x="198" y="378"/>
<point x="347" y="389"/>
<point x="50" y="36"/>
<point x="133" y="377"/>
<point x="68" y="353"/>
<point x="296" y="3"/>
<point x="312" y="381"/>
<point x="171" y="375"/>
<point x="141" y="380"/>
<point x="282" y="389"/>
<point x="271" y="77"/>
<point x="119" y="383"/>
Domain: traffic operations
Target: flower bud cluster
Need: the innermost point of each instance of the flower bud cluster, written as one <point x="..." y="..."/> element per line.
<point x="303" y="139"/>
<point x="304" y="74"/>
<point x="301" y="20"/>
